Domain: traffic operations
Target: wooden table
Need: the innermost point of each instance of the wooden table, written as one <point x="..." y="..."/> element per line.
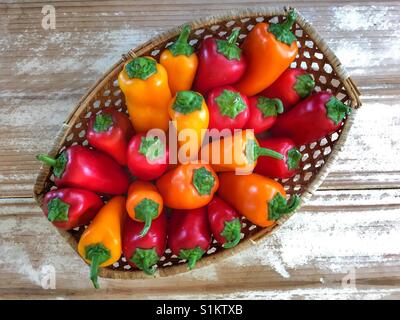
<point x="351" y="227"/>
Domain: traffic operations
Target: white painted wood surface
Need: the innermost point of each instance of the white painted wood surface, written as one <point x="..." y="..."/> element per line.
<point x="350" y="226"/>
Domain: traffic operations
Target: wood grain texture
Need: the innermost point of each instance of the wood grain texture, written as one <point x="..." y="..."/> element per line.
<point x="351" y="222"/>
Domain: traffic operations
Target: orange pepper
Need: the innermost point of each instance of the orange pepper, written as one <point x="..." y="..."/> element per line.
<point x="144" y="83"/>
<point x="188" y="186"/>
<point x="260" y="199"/>
<point x="269" y="49"/>
<point x="100" y="243"/>
<point x="144" y="204"/>
<point x="188" y="110"/>
<point x="181" y="62"/>
<point x="235" y="152"/>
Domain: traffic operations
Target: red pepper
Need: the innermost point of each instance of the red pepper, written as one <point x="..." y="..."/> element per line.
<point x="70" y="208"/>
<point x="147" y="157"/>
<point x="229" y="109"/>
<point x="311" y="119"/>
<point x="81" y="167"/>
<point x="189" y="235"/>
<point x="263" y="113"/>
<point x="292" y="86"/>
<point x="275" y="168"/>
<point x="144" y="252"/>
<point x="110" y="132"/>
<point x="224" y="223"/>
<point x="220" y="63"/>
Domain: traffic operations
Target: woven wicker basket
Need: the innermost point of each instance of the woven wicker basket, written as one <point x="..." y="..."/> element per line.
<point x="314" y="56"/>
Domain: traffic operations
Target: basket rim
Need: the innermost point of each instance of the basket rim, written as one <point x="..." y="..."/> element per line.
<point x="350" y="88"/>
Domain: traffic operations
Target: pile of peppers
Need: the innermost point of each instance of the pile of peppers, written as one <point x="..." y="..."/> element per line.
<point x="136" y="204"/>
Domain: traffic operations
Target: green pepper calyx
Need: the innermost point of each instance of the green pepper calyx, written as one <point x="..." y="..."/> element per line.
<point x="293" y="159"/>
<point x="103" y="122"/>
<point x="336" y="110"/>
<point x="282" y="31"/>
<point x="141" y="68"/>
<point x="304" y="85"/>
<point x="203" y="181"/>
<point x="152" y="148"/>
<point x="230" y="103"/>
<point x="278" y="206"/>
<point x="228" y="47"/>
<point x="187" y="102"/>
<point x="57" y="210"/>
<point x="269" y="107"/>
<point x="145" y="259"/>
<point x="231" y="233"/>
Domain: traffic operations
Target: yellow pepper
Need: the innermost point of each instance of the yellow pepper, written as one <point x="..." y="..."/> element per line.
<point x="100" y="243"/>
<point x="181" y="63"/>
<point x="144" y="83"/>
<point x="190" y="114"/>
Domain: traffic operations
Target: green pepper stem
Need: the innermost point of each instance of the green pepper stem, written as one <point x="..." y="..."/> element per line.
<point x="294" y="202"/>
<point x="94" y="270"/>
<point x="148" y="269"/>
<point x="191" y="255"/>
<point x="192" y="261"/>
<point x="47" y="160"/>
<point x="184" y="35"/>
<point x="148" y="218"/>
<point x="235" y="241"/>
<point x="259" y="151"/>
<point x="146" y="260"/>
<point x="291" y="18"/>
<point x="233" y="37"/>
<point x="181" y="45"/>
<point x="279" y="105"/>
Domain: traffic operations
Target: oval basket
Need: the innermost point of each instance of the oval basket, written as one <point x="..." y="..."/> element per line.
<point x="314" y="56"/>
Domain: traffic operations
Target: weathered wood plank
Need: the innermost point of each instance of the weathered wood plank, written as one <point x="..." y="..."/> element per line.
<point x="331" y="236"/>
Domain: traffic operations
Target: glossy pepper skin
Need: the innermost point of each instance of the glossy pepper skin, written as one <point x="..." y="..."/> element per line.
<point x="229" y="109"/>
<point x="180" y="61"/>
<point x="260" y="199"/>
<point x="81" y="167"/>
<point x="292" y="86"/>
<point x="69" y="208"/>
<point x="144" y="83"/>
<point x="110" y="132"/>
<point x="144" y="252"/>
<point x="274" y="168"/>
<point x="224" y="223"/>
<point x="238" y="152"/>
<point x="188" y="186"/>
<point x="220" y="63"/>
<point x="263" y="113"/>
<point x="100" y="244"/>
<point x="311" y="119"/>
<point x="147" y="156"/>
<point x="275" y="41"/>
<point x="144" y="204"/>
<point x="189" y="235"/>
<point x="188" y="110"/>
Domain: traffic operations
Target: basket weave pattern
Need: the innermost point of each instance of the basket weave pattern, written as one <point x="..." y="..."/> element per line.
<point x="314" y="56"/>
